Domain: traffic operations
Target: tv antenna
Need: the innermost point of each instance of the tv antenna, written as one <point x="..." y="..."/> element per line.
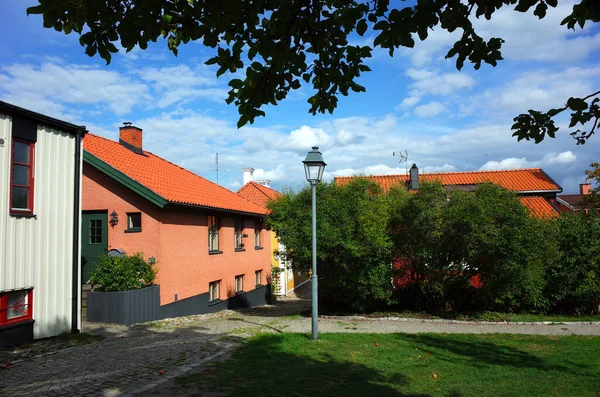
<point x="217" y="167"/>
<point x="403" y="154"/>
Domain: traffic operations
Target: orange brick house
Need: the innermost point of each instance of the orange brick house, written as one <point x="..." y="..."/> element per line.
<point x="536" y="190"/>
<point x="260" y="193"/>
<point x="208" y="243"/>
<point x="577" y="202"/>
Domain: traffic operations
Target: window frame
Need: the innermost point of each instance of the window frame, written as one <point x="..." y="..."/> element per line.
<point x="258" y="277"/>
<point x="30" y="178"/>
<point x="257" y="235"/>
<point x="214" y="229"/>
<point x="133" y="229"/>
<point x="94" y="228"/>
<point x="211" y="289"/>
<point x="239" y="283"/>
<point x="238" y="234"/>
<point x="4" y="320"/>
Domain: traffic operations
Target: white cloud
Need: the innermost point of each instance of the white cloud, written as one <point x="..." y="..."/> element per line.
<point x="561" y="158"/>
<point x="526" y="38"/>
<point x="512" y="163"/>
<point x="411" y="100"/>
<point x="431" y="109"/>
<point x="432" y="82"/>
<point x="37" y="87"/>
<point x="536" y="89"/>
<point x="276" y="174"/>
<point x="529" y="38"/>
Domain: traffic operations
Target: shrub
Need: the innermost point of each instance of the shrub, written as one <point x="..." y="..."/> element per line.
<point x="124" y="273"/>
<point x="574" y="278"/>
<point x="354" y="248"/>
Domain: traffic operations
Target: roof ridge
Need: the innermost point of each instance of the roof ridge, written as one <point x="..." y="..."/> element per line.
<point x="442" y="173"/>
<point x="262" y="187"/>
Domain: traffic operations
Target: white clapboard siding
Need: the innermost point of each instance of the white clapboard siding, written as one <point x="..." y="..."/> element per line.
<point x="38" y="252"/>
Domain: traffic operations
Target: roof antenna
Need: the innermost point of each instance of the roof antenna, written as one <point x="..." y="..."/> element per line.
<point x="403" y="157"/>
<point x="217" y="167"/>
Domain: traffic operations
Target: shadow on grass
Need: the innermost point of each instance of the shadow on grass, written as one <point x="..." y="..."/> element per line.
<point x="254" y="323"/>
<point x="293" y="365"/>
<point x="478" y="351"/>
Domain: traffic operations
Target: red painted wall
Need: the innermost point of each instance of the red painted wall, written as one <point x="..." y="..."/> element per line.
<point x="178" y="239"/>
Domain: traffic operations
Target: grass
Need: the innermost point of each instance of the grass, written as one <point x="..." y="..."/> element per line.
<point x="82" y="338"/>
<point x="488" y="316"/>
<point x="404" y="365"/>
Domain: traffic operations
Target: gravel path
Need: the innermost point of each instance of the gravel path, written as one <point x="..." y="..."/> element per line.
<point x="129" y="360"/>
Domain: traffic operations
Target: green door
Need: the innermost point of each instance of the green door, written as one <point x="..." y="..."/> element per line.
<point x="94" y="241"/>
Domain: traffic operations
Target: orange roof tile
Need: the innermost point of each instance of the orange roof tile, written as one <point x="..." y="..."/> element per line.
<point x="258" y="193"/>
<point x="539" y="206"/>
<point x="166" y="179"/>
<point x="521" y="180"/>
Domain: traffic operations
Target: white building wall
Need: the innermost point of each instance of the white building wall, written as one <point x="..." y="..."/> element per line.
<point x="38" y="252"/>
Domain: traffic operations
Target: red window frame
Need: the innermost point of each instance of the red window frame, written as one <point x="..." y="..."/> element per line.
<point x="4" y="320"/>
<point x="29" y="210"/>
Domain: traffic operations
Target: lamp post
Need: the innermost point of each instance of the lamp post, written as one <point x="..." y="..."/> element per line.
<point x="313" y="168"/>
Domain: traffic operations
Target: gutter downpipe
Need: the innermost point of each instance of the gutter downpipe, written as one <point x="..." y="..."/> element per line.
<point x="76" y="232"/>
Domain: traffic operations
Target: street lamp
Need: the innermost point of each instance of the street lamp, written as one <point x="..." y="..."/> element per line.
<point x="313" y="168"/>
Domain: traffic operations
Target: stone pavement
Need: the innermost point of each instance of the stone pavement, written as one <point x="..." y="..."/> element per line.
<point x="130" y="360"/>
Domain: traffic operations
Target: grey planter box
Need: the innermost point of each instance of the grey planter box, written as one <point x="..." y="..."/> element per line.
<point x="127" y="307"/>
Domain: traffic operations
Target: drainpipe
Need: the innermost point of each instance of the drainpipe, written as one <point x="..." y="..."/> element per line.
<point x="76" y="233"/>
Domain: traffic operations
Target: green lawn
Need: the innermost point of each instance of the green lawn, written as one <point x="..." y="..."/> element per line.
<point x="489" y="316"/>
<point x="404" y="365"/>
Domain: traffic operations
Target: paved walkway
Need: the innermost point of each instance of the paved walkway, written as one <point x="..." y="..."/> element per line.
<point x="130" y="360"/>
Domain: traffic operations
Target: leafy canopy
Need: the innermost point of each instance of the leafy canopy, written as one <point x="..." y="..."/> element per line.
<point x="354" y="248"/>
<point x="279" y="44"/>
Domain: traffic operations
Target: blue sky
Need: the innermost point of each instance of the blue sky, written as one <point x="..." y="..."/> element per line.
<point x="416" y="101"/>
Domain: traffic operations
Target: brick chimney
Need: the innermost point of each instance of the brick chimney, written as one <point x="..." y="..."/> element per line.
<point x="248" y="177"/>
<point x="414" y="177"/>
<point x="585" y="188"/>
<point x="130" y="136"/>
<point x="265" y="182"/>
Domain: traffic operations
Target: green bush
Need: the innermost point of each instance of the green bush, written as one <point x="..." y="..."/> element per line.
<point x="124" y="273"/>
<point x="354" y="248"/>
<point x="573" y="280"/>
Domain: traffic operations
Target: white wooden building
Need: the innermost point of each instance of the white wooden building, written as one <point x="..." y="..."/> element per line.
<point x="40" y="206"/>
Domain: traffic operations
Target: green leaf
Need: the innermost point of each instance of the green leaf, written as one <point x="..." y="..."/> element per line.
<point x="236" y="83"/>
<point x="577" y="104"/>
<point x="35" y="10"/>
<point x="361" y="27"/>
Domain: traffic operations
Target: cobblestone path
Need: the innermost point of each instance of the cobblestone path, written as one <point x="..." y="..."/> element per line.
<point x="128" y="361"/>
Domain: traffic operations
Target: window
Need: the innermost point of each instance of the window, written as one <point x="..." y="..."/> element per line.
<point x="257" y="234"/>
<point x="213" y="234"/>
<point x="96" y="231"/>
<point x="214" y="290"/>
<point x="238" y="230"/>
<point x="16" y="306"/>
<point x="239" y="283"/>
<point x="21" y="179"/>
<point x="258" y="277"/>
<point x="134" y="222"/>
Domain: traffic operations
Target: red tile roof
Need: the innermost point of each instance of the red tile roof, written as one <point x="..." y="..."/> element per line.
<point x="258" y="193"/>
<point x="521" y="180"/>
<point x="539" y="206"/>
<point x="166" y="179"/>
